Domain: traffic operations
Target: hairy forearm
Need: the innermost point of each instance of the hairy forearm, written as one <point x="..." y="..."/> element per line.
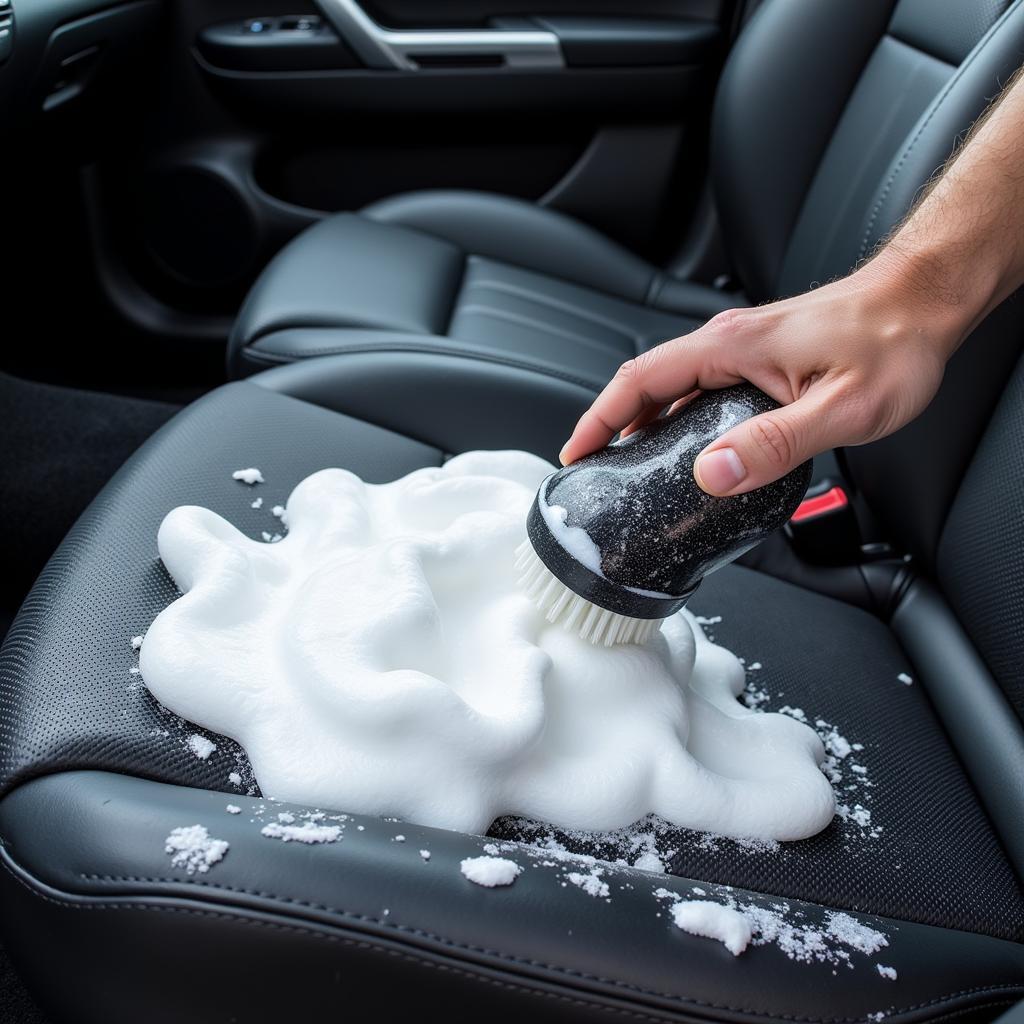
<point x="960" y="252"/>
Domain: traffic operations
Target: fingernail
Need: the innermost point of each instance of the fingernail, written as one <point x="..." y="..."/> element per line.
<point x="561" y="454"/>
<point x="718" y="472"/>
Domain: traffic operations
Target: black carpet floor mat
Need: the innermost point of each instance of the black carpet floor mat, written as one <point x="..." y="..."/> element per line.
<point x="16" y="1005"/>
<point x="59" y="447"/>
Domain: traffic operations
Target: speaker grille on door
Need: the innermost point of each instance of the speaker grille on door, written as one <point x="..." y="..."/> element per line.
<point x="6" y="29"/>
<point x="200" y="226"/>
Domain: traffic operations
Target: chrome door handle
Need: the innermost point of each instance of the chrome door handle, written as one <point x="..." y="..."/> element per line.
<point x="380" y="47"/>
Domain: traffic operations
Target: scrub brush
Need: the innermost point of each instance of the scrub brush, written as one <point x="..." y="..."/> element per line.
<point x="621" y="539"/>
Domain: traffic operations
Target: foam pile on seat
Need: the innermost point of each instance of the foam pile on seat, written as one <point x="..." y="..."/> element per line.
<point x="381" y="659"/>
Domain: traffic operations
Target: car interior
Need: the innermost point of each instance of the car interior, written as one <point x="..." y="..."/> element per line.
<point x="374" y="234"/>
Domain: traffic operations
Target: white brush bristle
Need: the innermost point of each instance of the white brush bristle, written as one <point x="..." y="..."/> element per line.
<point x="560" y="605"/>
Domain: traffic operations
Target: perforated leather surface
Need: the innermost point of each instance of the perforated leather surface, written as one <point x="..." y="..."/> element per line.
<point x="67" y="698"/>
<point x="947" y="30"/>
<point x="980" y="555"/>
<point x="841" y="665"/>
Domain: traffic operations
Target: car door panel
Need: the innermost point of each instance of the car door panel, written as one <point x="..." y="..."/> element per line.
<point x="260" y="133"/>
<point x="456" y="13"/>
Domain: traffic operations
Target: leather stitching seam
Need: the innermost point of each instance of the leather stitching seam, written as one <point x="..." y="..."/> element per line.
<point x="393" y="221"/>
<point x="550" y="302"/>
<point x="515" y="364"/>
<point x="522" y="961"/>
<point x="358" y="943"/>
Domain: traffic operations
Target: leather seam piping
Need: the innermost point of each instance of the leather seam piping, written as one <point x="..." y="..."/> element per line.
<point x="289" y="357"/>
<point x="654" y="289"/>
<point x="366" y="919"/>
<point x="539" y="326"/>
<point x="460" y="285"/>
<point x="419" y="961"/>
<point x="550" y="302"/>
<point x="936" y="106"/>
<point x="903" y="41"/>
<point x="396" y="221"/>
<point x="296" y="324"/>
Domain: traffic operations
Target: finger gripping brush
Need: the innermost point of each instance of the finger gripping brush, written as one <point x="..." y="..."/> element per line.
<point x="620" y="540"/>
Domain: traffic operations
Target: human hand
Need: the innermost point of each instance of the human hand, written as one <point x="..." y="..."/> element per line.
<point x="848" y="362"/>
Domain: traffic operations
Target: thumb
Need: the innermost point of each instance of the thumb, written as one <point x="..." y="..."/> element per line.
<point x="764" y="448"/>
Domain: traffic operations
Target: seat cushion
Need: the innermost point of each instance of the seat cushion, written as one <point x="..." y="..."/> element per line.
<point x="467" y="274"/>
<point x="913" y="819"/>
<point x="95" y="774"/>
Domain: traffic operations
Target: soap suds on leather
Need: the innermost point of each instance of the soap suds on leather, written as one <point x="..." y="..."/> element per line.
<point x="832" y="941"/>
<point x="193" y="849"/>
<point x="490" y="872"/>
<point x="380" y="657"/>
<point x="590" y="882"/>
<point x="201" y="746"/>
<point x="713" y="921"/>
<point x="308" y="832"/>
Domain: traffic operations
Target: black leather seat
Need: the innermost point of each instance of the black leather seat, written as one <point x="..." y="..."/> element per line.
<point x="465" y="274"/>
<point x="95" y="775"/>
<point x="828" y="118"/>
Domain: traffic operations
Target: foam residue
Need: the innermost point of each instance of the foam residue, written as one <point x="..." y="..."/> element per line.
<point x="192" y="848"/>
<point x="574" y="539"/>
<point x="382" y="658"/>
<point x="248" y="476"/>
<point x="308" y="832"/>
<point x="650" y="844"/>
<point x="843" y="766"/>
<point x="649" y="861"/>
<point x="853" y="933"/>
<point x="201" y="746"/>
<point x="590" y="882"/>
<point x="713" y="921"/>
<point x="490" y="871"/>
<point x="791" y="931"/>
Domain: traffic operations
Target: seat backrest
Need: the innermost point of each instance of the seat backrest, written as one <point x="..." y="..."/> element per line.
<point x="818" y="140"/>
<point x="829" y="120"/>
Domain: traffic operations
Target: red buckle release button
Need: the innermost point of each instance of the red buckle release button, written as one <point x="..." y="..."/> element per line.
<point x="820" y="504"/>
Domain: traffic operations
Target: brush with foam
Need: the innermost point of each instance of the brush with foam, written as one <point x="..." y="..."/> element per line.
<point x="621" y="539"/>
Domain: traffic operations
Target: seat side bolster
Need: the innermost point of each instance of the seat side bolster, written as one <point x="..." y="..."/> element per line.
<point x="348" y="271"/>
<point x="984" y="728"/>
<point x="84" y="840"/>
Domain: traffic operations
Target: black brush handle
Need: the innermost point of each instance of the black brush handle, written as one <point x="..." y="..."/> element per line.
<point x="655" y="534"/>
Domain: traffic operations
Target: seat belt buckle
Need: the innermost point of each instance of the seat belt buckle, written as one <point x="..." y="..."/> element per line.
<point x="823" y="530"/>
